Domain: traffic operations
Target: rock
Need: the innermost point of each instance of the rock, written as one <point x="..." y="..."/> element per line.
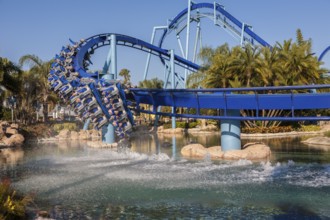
<point x="10" y="130"/>
<point x="194" y="150"/>
<point x="84" y="135"/>
<point x="64" y="134"/>
<point x="318" y="141"/>
<point x="14" y="126"/>
<point x="4" y="123"/>
<point x="15" y="139"/>
<point x="236" y="154"/>
<point x="1" y="133"/>
<point x="74" y="135"/>
<point x="253" y="151"/>
<point x="160" y="129"/>
<point x="43" y="215"/>
<point x="215" y="152"/>
<point x="172" y="131"/>
<point x="95" y="135"/>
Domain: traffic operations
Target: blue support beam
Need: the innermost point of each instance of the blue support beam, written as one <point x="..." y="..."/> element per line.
<point x="221" y="99"/>
<point x="108" y="131"/>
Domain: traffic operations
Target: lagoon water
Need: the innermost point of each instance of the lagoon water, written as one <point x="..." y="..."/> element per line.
<point x="150" y="180"/>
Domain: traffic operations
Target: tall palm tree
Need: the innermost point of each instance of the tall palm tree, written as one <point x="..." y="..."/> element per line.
<point x="195" y="79"/>
<point x="126" y="74"/>
<point x="300" y="65"/>
<point x="9" y="75"/>
<point x="220" y="73"/>
<point x="39" y="70"/>
<point x="246" y="63"/>
<point x="216" y="71"/>
<point x="154" y="83"/>
<point x="268" y="68"/>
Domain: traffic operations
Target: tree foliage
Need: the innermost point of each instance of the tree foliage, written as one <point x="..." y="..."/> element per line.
<point x="154" y="83"/>
<point x="125" y="73"/>
<point x="36" y="80"/>
<point x="287" y="64"/>
<point x="9" y="75"/>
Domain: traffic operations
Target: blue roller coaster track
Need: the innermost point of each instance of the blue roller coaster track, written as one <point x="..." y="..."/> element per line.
<point x="105" y="101"/>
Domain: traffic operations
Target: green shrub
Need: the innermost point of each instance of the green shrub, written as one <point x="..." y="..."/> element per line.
<point x="181" y="124"/>
<point x="12" y="205"/>
<point x="5" y="114"/>
<point x="255" y="130"/>
<point x="71" y="126"/>
<point x="309" y="128"/>
<point x="327" y="133"/>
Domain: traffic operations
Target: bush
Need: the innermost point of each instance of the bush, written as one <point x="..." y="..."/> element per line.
<point x="279" y="129"/>
<point x="39" y="130"/>
<point x="181" y="124"/>
<point x="309" y="128"/>
<point x="71" y="126"/>
<point x="5" y="114"/>
<point x="327" y="133"/>
<point x="267" y="129"/>
<point x="12" y="205"/>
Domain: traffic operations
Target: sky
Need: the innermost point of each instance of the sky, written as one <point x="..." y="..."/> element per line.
<point x="42" y="27"/>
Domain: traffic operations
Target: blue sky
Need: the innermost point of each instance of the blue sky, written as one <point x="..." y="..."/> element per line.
<point x="42" y="27"/>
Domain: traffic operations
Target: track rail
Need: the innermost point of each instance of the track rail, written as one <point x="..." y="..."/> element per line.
<point x="105" y="101"/>
<point x="228" y="20"/>
<point x="288" y="98"/>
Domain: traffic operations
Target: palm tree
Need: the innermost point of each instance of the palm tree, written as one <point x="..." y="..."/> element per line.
<point x="126" y="74"/>
<point x="301" y="66"/>
<point x="268" y="67"/>
<point x="39" y="70"/>
<point x="9" y="75"/>
<point x="195" y="79"/>
<point x="216" y="71"/>
<point x="246" y="63"/>
<point x="154" y="83"/>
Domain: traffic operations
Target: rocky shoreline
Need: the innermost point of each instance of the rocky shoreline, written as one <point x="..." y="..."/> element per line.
<point x="10" y="136"/>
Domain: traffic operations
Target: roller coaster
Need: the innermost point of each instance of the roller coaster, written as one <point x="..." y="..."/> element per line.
<point x="105" y="101"/>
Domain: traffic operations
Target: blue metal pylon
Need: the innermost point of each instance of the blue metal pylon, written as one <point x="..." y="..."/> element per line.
<point x="108" y="131"/>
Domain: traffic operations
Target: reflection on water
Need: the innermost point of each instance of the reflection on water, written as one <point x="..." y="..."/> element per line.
<point x="151" y="181"/>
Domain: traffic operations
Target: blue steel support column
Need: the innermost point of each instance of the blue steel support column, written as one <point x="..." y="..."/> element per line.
<point x="173" y="84"/>
<point x="173" y="147"/>
<point x="86" y="124"/>
<point x="187" y="41"/>
<point x="231" y="132"/>
<point x="108" y="131"/>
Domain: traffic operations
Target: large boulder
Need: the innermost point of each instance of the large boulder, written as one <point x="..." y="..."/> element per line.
<point x="199" y="151"/>
<point x="84" y="135"/>
<point x="15" y="139"/>
<point x="194" y="150"/>
<point x="95" y="135"/>
<point x="64" y="134"/>
<point x="9" y="135"/>
<point x="11" y="131"/>
<point x="318" y="141"/>
<point x="2" y="133"/>
<point x="161" y="129"/>
<point x="252" y="151"/>
<point x="14" y="126"/>
<point x="74" y="135"/>
<point x="215" y="152"/>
